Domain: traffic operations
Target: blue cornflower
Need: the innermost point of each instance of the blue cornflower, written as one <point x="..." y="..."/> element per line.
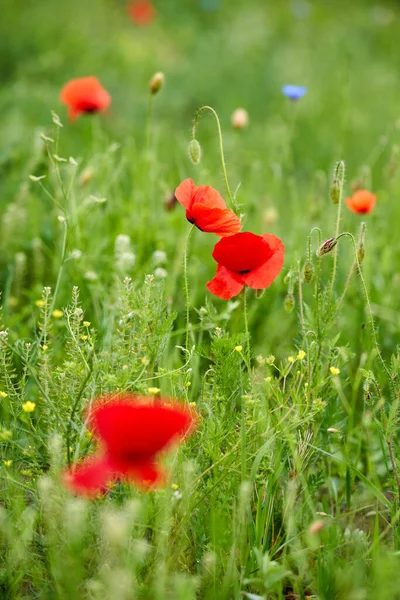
<point x="294" y="92"/>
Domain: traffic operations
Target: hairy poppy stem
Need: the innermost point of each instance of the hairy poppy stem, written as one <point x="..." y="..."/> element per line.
<point x="338" y="187"/>
<point x="370" y="314"/>
<point x="221" y="148"/>
<point x="186" y="286"/>
<point x="149" y="122"/>
<point x="246" y="329"/>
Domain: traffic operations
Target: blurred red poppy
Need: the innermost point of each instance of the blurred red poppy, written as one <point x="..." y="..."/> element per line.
<point x="206" y="209"/>
<point x="84" y="95"/>
<point x="142" y="12"/>
<point x="361" y="202"/>
<point x="131" y="433"/>
<point x="246" y="259"/>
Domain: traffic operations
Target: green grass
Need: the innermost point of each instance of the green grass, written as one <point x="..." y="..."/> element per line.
<point x="288" y="488"/>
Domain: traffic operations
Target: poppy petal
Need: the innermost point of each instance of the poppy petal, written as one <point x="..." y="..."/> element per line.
<point x="242" y="252"/>
<point x="146" y="475"/>
<point x="262" y="277"/>
<point x="185" y="193"/>
<point x="222" y="222"/>
<point x="134" y="431"/>
<point x="90" y="477"/>
<point x="208" y="196"/>
<point x="225" y="284"/>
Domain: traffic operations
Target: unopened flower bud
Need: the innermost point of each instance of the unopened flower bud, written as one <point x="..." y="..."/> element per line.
<point x="240" y="118"/>
<point x="361" y="247"/>
<point x="289" y="303"/>
<point x="157" y="82"/>
<point x="316" y="527"/>
<point x="326" y="247"/>
<point x="337" y="183"/>
<point x="194" y="151"/>
<point x="308" y="271"/>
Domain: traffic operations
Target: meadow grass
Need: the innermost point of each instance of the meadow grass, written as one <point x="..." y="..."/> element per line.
<point x="289" y="488"/>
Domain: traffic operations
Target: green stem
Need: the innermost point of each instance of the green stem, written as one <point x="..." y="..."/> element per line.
<point x="370" y="313"/>
<point x="246" y="329"/>
<point x="149" y="121"/>
<point x="186" y="286"/>
<point x="221" y="148"/>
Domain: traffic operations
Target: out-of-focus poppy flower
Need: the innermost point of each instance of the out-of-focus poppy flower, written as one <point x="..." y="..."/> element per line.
<point x="142" y="12"/>
<point x="131" y="433"/>
<point x="246" y="259"/>
<point x="361" y="202"/>
<point x="206" y="209"/>
<point x="294" y="92"/>
<point x="84" y="95"/>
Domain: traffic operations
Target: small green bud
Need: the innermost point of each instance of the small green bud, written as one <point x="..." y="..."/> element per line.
<point x="361" y="247"/>
<point x="337" y="183"/>
<point x="360" y="253"/>
<point x="194" y="151"/>
<point x="289" y="303"/>
<point x="326" y="247"/>
<point x="308" y="272"/>
<point x="156" y="83"/>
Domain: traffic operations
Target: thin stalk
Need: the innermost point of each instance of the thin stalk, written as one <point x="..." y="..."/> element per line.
<point x="186" y="286"/>
<point x="149" y="122"/>
<point x="370" y="313"/>
<point x="221" y="148"/>
<point x="246" y="329"/>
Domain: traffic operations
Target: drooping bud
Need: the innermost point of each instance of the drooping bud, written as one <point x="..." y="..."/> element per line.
<point x="308" y="272"/>
<point x="240" y="118"/>
<point x="326" y="247"/>
<point x="289" y="303"/>
<point x="337" y="183"/>
<point x="157" y="82"/>
<point x="194" y="151"/>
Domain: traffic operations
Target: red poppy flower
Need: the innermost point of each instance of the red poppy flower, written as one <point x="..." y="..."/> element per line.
<point x="246" y="259"/>
<point x="142" y="12"/>
<point x="131" y="433"/>
<point x="84" y="95"/>
<point x="361" y="202"/>
<point x="206" y="209"/>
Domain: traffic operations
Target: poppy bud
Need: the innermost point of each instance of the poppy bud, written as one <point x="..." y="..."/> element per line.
<point x="337" y="183"/>
<point x="326" y="247"/>
<point x="308" y="271"/>
<point x="240" y="118"/>
<point x="157" y="82"/>
<point x="289" y="303"/>
<point x="194" y="151"/>
<point x="170" y="203"/>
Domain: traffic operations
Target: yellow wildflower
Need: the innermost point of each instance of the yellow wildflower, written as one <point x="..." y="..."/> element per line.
<point x="84" y="338"/>
<point x="291" y="359"/>
<point x="40" y="303"/>
<point x="7" y="463"/>
<point x="86" y="323"/>
<point x="3" y="395"/>
<point x="238" y="348"/>
<point x="57" y="313"/>
<point x="174" y="486"/>
<point x="28" y="406"/>
<point x="301" y="355"/>
<point x="268" y="379"/>
<point x="153" y="390"/>
<point x="334" y="371"/>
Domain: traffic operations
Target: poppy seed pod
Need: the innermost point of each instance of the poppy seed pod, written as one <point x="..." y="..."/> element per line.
<point x="308" y="272"/>
<point x="326" y="247"/>
<point x="194" y="150"/>
<point x="157" y="82"/>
